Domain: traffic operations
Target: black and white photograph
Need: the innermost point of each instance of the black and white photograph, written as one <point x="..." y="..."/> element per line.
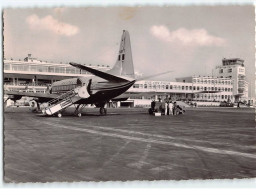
<point x="142" y="93"/>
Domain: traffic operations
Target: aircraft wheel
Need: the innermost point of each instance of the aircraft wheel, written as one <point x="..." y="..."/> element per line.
<point x="79" y="114"/>
<point x="103" y="111"/>
<point x="59" y="115"/>
<point x="44" y="111"/>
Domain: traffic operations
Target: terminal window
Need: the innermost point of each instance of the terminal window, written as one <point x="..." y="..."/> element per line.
<point x="221" y="71"/>
<point x="241" y="70"/>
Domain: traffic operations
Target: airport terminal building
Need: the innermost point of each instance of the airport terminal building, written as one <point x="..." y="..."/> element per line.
<point x="227" y="82"/>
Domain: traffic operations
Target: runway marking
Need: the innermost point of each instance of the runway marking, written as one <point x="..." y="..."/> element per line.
<point x="116" y="154"/>
<point x="160" y="136"/>
<point x="152" y="135"/>
<point x="150" y="140"/>
<point x="143" y="158"/>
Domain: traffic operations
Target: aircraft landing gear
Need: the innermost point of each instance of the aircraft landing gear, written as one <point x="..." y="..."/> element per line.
<point x="59" y="115"/>
<point x="78" y="112"/>
<point x="38" y="108"/>
<point x="103" y="111"/>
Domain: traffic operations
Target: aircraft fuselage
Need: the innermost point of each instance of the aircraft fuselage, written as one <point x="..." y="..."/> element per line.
<point x="100" y="90"/>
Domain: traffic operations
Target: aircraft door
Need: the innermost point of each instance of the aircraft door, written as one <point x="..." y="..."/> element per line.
<point x="85" y="90"/>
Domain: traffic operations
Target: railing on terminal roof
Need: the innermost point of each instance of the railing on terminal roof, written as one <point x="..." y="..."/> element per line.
<point x="46" y="68"/>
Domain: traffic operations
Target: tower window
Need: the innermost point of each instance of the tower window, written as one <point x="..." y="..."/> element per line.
<point x="122" y="56"/>
<point x="119" y="57"/>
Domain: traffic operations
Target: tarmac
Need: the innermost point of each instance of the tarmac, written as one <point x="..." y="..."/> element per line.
<point x="129" y="144"/>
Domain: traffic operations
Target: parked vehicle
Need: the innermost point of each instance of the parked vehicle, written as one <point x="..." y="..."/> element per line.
<point x="226" y="104"/>
<point x="156" y="107"/>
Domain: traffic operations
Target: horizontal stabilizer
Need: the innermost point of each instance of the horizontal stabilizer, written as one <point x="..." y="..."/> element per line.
<point x="98" y="73"/>
<point x="41" y="97"/>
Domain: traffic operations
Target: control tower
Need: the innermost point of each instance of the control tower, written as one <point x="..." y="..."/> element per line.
<point x="234" y="69"/>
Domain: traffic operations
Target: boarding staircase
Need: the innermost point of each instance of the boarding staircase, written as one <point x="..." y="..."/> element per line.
<point x="61" y="102"/>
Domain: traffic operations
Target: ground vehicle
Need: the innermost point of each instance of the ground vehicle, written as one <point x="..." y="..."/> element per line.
<point x="156" y="107"/>
<point x="226" y="104"/>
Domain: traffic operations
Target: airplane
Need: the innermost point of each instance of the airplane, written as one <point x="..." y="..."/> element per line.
<point x="97" y="89"/>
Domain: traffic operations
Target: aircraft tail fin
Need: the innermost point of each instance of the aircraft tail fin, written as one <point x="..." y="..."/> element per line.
<point x="124" y="63"/>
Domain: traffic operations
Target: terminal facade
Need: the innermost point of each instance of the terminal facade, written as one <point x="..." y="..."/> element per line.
<point x="227" y="82"/>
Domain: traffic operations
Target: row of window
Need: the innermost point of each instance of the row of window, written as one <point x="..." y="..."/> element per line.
<point x="205" y="96"/>
<point x="63" y="88"/>
<point x="178" y="87"/>
<point x="229" y="70"/>
<point x="212" y="81"/>
<point x="51" y="69"/>
<point x="28" y="90"/>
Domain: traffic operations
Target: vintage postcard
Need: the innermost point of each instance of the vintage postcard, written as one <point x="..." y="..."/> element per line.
<point x="129" y="93"/>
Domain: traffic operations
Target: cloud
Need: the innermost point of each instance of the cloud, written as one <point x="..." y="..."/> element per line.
<point x="196" y="37"/>
<point x="50" y="24"/>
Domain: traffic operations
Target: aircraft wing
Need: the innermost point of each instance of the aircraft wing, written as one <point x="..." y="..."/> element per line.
<point x="98" y="73"/>
<point x="42" y="97"/>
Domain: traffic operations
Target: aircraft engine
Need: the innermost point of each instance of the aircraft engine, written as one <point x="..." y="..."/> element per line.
<point x="32" y="105"/>
<point x="14" y="97"/>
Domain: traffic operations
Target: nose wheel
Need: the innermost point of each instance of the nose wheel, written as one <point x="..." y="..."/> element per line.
<point x="103" y="111"/>
<point x="59" y="115"/>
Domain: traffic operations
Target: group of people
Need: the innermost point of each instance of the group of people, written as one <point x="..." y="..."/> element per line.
<point x="167" y="108"/>
<point x="172" y="108"/>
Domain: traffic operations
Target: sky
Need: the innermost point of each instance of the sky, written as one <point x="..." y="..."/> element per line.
<point x="190" y="40"/>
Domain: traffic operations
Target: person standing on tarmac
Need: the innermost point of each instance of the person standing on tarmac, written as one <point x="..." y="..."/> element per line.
<point x="166" y="107"/>
<point x="170" y="108"/>
<point x="174" y="109"/>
